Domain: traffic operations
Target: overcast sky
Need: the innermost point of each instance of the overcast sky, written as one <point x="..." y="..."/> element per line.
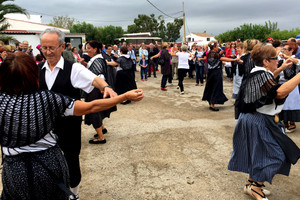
<point x="212" y="16"/>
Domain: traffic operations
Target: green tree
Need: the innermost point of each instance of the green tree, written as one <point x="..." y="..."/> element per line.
<point x="63" y="21"/>
<point x="173" y="30"/>
<point x="285" y="34"/>
<point x="108" y="34"/>
<point x="157" y="27"/>
<point x="90" y="30"/>
<point x="249" y="31"/>
<point x="7" y="9"/>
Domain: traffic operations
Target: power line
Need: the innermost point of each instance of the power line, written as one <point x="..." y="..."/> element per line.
<point x="160" y="10"/>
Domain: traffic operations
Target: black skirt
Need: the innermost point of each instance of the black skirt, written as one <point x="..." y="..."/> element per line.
<point x="125" y="81"/>
<point x="25" y="178"/>
<point x="213" y="92"/>
<point x="96" y="119"/>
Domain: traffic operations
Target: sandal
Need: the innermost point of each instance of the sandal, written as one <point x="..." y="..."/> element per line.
<point x="291" y="128"/>
<point x="96" y="141"/>
<point x="259" y="186"/>
<point x="247" y="189"/>
<point x="104" y="131"/>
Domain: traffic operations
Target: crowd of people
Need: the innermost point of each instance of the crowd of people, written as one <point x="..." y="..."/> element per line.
<point x="265" y="85"/>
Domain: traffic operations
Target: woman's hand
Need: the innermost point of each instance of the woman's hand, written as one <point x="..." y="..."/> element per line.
<point x="108" y="92"/>
<point x="287" y="63"/>
<point x="134" y="95"/>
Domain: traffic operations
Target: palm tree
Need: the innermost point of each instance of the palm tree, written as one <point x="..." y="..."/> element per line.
<point x="6" y="9"/>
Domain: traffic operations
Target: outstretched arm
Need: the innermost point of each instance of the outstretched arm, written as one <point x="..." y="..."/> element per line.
<point x="82" y="108"/>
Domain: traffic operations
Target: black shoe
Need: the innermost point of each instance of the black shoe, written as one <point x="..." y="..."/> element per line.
<point x="155" y="77"/>
<point x="97" y="141"/>
<point x="104" y="131"/>
<point x="213" y="109"/>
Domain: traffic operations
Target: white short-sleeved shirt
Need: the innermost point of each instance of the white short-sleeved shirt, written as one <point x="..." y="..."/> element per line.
<point x="183" y="58"/>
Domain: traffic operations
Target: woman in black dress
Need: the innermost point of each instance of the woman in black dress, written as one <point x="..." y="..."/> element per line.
<point x="98" y="66"/>
<point x="213" y="92"/>
<point x="33" y="165"/>
<point x="125" y="75"/>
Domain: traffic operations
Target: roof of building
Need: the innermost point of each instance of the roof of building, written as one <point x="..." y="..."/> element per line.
<point x="138" y="34"/>
<point x="202" y="34"/>
<point x="16" y="24"/>
<point x="18" y="32"/>
<point x="139" y="38"/>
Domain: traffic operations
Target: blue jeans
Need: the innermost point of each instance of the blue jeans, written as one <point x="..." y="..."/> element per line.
<point x="164" y="81"/>
<point x="199" y="73"/>
<point x="143" y="72"/>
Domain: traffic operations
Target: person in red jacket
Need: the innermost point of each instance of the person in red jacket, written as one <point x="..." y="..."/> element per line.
<point x="230" y="52"/>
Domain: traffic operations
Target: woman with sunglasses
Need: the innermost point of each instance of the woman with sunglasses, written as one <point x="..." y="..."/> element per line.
<point x="260" y="145"/>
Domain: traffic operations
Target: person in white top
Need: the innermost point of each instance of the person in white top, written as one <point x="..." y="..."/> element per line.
<point x="183" y="65"/>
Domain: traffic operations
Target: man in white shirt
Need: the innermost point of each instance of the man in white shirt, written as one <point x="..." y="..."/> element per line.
<point x="67" y="78"/>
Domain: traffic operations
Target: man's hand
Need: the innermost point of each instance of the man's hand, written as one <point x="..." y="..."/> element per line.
<point x="108" y="92"/>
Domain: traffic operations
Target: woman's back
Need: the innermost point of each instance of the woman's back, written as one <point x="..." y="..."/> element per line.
<point x="26" y="118"/>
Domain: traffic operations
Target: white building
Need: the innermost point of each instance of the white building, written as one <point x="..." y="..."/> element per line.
<point x="199" y="38"/>
<point x="22" y="28"/>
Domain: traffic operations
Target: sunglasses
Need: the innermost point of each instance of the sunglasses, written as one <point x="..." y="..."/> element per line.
<point x="273" y="58"/>
<point x="286" y="49"/>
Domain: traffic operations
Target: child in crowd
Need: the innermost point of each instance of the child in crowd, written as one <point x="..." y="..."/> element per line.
<point x="143" y="64"/>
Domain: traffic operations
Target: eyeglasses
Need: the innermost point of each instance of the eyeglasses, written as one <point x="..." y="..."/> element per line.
<point x="51" y="49"/>
<point x="285" y="49"/>
<point x="273" y="58"/>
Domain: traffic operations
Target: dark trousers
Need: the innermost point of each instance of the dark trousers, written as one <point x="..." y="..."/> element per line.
<point x="68" y="130"/>
<point x="151" y="65"/>
<point x="228" y="72"/>
<point x="170" y="77"/>
<point x="164" y="80"/>
<point x="143" y="72"/>
<point x="199" y="73"/>
<point x="192" y="68"/>
<point x="181" y="75"/>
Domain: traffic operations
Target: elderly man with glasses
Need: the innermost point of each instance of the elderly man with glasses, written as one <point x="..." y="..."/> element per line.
<point x="62" y="76"/>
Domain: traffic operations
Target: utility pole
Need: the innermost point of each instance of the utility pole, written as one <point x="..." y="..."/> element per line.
<point x="184" y="40"/>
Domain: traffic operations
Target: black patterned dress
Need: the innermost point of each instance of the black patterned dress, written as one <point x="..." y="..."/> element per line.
<point x="98" y="66"/>
<point x="33" y="164"/>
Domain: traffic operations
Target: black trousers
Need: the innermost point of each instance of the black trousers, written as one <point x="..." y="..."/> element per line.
<point x="181" y="75"/>
<point x="68" y="130"/>
<point x="151" y="63"/>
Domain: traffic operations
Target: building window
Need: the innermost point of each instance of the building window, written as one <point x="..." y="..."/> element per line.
<point x="208" y="39"/>
<point x="189" y="39"/>
<point x="193" y="39"/>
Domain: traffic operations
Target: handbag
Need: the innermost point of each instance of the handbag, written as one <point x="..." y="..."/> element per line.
<point x="161" y="61"/>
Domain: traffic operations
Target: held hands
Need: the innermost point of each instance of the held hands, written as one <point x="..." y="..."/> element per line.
<point x="108" y="92"/>
<point x="287" y="63"/>
<point x="134" y="95"/>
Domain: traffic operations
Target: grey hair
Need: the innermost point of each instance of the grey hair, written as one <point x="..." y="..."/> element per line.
<point x="184" y="47"/>
<point x="61" y="35"/>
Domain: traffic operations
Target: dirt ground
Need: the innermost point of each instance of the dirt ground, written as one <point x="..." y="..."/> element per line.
<point x="170" y="147"/>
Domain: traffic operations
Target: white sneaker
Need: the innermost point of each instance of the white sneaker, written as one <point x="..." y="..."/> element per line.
<point x="182" y="92"/>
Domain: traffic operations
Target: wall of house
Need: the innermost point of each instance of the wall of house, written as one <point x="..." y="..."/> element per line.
<point x="33" y="40"/>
